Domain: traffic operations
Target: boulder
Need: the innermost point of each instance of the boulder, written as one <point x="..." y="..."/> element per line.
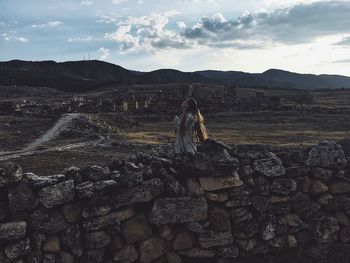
<point x="211" y="183"/>
<point x="217" y="197"/>
<point x="194" y="188"/>
<point x="166" y="232"/>
<point x="172" y="257"/>
<point x="152" y="249"/>
<point x="178" y="210"/>
<point x="240" y="214"/>
<point x="16" y="250"/>
<point x="71" y="238"/>
<point x="214" y="239"/>
<point x="58" y="194"/>
<point x="72" y="211"/>
<point x="183" y="240"/>
<point x="198" y="253"/>
<point x="318" y="187"/>
<point x="239" y="201"/>
<point x="52" y="245"/>
<point x="260" y="203"/>
<point x="126" y="255"/>
<point x="64" y="257"/>
<point x="49" y="221"/>
<point x="196" y="227"/>
<point x="97" y="239"/>
<point x="21" y="198"/>
<point x="270" y="167"/>
<point x="228" y="252"/>
<point x="326" y="154"/>
<point x="246" y="230"/>
<point x="38" y="182"/>
<point x="95" y="173"/>
<point x="112" y="218"/>
<point x="340" y="187"/>
<point x="283" y="186"/>
<point x="136" y="229"/>
<point x="9" y="173"/>
<point x="12" y="231"/>
<point x="219" y="219"/>
<point x="326" y="228"/>
<point x="246" y="244"/>
<point x="137" y="194"/>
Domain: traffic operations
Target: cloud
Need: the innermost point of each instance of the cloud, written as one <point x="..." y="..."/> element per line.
<point x="181" y="24"/>
<point x="103" y="53"/>
<point x="297" y="24"/>
<point x="344" y="42"/>
<point x="48" y="24"/>
<point x="118" y="2"/>
<point x="147" y="33"/>
<point x="86" y="2"/>
<point x="345" y="61"/>
<point x="81" y="39"/>
<point x="10" y="36"/>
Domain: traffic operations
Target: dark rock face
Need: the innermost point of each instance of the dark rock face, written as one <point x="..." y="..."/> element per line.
<point x="10" y="173"/>
<point x="16" y="250"/>
<point x="51" y="221"/>
<point x="13" y="231"/>
<point x="283" y="186"/>
<point x="270" y="166"/>
<point x="326" y="155"/>
<point x="21" y="198"/>
<point x="178" y="210"/>
<point x="42" y="181"/>
<point x="58" y="194"/>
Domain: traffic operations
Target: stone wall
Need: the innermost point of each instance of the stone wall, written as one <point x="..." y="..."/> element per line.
<point x="219" y="205"/>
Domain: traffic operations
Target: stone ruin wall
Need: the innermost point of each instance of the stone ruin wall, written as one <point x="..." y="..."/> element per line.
<point x="187" y="208"/>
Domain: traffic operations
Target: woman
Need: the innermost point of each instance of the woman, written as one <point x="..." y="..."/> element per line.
<point x="188" y="126"/>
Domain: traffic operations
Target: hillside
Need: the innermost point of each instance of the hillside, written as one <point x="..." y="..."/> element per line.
<point x="76" y="76"/>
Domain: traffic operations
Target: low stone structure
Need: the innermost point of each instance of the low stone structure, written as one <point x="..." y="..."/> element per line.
<point x="189" y="208"/>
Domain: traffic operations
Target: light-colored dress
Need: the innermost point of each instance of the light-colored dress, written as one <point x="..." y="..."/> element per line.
<point x="185" y="143"/>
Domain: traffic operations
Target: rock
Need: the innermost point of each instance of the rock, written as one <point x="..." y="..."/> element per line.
<point x="137" y="194"/>
<point x="152" y="249"/>
<point x="194" y="188"/>
<point x="74" y="174"/>
<point x="318" y="187"/>
<point x="183" y="240"/>
<point x="52" y="245"/>
<point x="166" y="232"/>
<point x="246" y="244"/>
<point x="196" y="227"/>
<point x="198" y="253"/>
<point x="172" y="187"/>
<point x="9" y="173"/>
<point x="37" y="241"/>
<point x="117" y="244"/>
<point x="262" y="185"/>
<point x="219" y="219"/>
<point x="245" y="171"/>
<point x="172" y="257"/>
<point x="12" y="231"/>
<point x="322" y="174"/>
<point x="228" y="252"/>
<point x="72" y="211"/>
<point x="21" y="198"/>
<point x="326" y="228"/>
<point x="291" y="241"/>
<point x="297" y="171"/>
<point x="64" y="257"/>
<point x="85" y="189"/>
<point x="238" y="201"/>
<point x="211" y="183"/>
<point x="58" y="194"/>
<point x="96" y="209"/>
<point x="49" y="221"/>
<point x="344" y="235"/>
<point x="3" y="206"/>
<point x="246" y="230"/>
<point x="95" y="240"/>
<point x="217" y="197"/>
<point x="280" y="208"/>
<point x="279" y="199"/>
<point x="71" y="239"/>
<point x="38" y="182"/>
<point x="302" y="205"/>
<point x="136" y="229"/>
<point x="95" y="173"/>
<point x="178" y="210"/>
<point x="293" y="222"/>
<point x="326" y="154"/>
<point x="260" y="203"/>
<point x="112" y="218"/>
<point x="343" y="220"/>
<point x="95" y="256"/>
<point x="131" y="178"/>
<point x="240" y="214"/>
<point x="214" y="239"/>
<point x="277" y="242"/>
<point x="270" y="167"/>
<point x="339" y="187"/>
<point x="283" y="186"/>
<point x="49" y="258"/>
<point x="18" y="249"/>
<point x="127" y="255"/>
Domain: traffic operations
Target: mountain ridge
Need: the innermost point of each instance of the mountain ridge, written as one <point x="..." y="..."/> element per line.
<point x="86" y="75"/>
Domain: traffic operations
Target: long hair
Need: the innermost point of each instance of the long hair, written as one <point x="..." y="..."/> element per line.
<point x="200" y="130"/>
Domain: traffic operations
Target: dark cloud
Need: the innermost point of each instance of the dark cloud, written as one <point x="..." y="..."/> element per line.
<point x="298" y="24"/>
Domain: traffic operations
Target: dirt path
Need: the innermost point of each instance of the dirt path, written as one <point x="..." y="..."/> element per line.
<point x="61" y="125"/>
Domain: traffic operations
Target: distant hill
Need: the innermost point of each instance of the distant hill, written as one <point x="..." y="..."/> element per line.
<point x="275" y="78"/>
<point x="74" y="76"/>
<point x="65" y="76"/>
<point x="171" y="76"/>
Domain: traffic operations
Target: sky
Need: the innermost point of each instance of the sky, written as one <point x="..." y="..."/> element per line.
<point x="306" y="36"/>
